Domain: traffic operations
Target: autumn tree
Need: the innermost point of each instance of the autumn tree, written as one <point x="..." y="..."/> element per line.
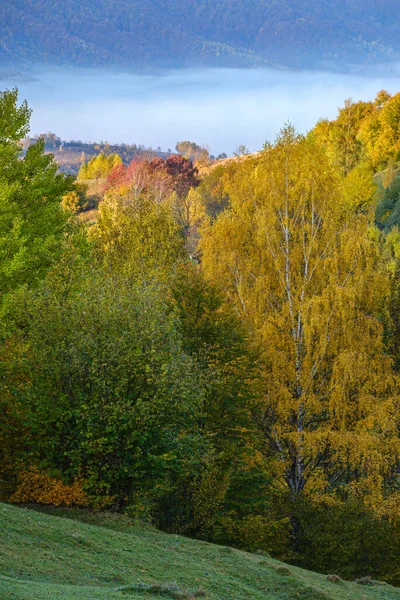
<point x="193" y="151"/>
<point x="363" y="132"/>
<point x="296" y="261"/>
<point x="184" y="174"/>
<point x="242" y="150"/>
<point x="137" y="234"/>
<point x="380" y="132"/>
<point x="99" y="166"/>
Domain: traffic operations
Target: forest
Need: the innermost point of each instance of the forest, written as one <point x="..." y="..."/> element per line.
<point x="217" y="349"/>
<point x="160" y="33"/>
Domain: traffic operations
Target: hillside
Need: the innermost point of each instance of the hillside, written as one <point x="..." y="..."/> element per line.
<point x="160" y="33"/>
<point x="44" y="556"/>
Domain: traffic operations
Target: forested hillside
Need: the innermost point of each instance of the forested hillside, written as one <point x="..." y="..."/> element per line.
<point x="142" y="34"/>
<point x="217" y="350"/>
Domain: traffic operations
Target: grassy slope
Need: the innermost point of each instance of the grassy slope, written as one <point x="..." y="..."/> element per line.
<point x="43" y="556"/>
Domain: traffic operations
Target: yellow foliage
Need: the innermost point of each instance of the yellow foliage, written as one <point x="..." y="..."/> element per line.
<point x="71" y="202"/>
<point x="359" y="188"/>
<point x="380" y="132"/>
<point x="295" y="257"/>
<point x="35" y="486"/>
<point x="99" y="166"/>
<point x="136" y="234"/>
<point x="190" y="209"/>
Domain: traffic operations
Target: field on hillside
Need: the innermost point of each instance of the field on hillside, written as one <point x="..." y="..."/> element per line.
<point x="96" y="557"/>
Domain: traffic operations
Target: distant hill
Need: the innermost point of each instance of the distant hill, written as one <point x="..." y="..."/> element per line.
<point x="109" y="557"/>
<point x="70" y="154"/>
<point x="172" y="33"/>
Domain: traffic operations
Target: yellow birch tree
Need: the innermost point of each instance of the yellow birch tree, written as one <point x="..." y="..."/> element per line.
<point x="295" y="258"/>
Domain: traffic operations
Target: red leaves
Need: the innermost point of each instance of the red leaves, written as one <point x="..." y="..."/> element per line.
<point x="160" y="177"/>
<point x="117" y="177"/>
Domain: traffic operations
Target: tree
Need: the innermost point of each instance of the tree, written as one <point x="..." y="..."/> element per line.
<point x="193" y="151"/>
<point x="387" y="213"/>
<point x="363" y="132"/>
<point x="213" y="336"/>
<point x="51" y="140"/>
<point x="380" y="133"/>
<point x="347" y="145"/>
<point x="181" y="170"/>
<point x="32" y="222"/>
<point x="189" y="210"/>
<point x="32" y="235"/>
<point x="296" y="261"/>
<point x="99" y="166"/>
<point x="137" y="235"/>
<point x="105" y="391"/>
<point x="241" y="150"/>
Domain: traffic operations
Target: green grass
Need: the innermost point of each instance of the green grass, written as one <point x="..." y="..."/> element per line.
<point x="77" y="555"/>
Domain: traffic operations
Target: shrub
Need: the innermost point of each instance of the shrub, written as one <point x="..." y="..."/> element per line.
<point x="34" y="486"/>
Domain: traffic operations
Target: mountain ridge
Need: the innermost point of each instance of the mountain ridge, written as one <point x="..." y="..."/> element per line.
<point x="161" y="33"/>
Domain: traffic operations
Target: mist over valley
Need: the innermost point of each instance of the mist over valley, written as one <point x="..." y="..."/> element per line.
<point x="221" y="108"/>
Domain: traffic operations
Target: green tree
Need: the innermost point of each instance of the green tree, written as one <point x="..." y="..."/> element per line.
<point x="387" y="214"/>
<point x="105" y="390"/>
<point x="213" y="336"/>
<point x="32" y="222"/>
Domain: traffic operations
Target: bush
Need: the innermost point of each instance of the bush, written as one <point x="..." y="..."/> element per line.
<point x="34" y="486"/>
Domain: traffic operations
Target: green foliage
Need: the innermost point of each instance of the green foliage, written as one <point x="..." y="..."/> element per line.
<point x="32" y="223"/>
<point x="348" y="539"/>
<point x="214" y="338"/>
<point x="387" y="213"/>
<point x="250" y="399"/>
<point x="109" y="394"/>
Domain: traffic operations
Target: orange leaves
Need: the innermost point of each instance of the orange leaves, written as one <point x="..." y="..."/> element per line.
<point x="35" y="486"/>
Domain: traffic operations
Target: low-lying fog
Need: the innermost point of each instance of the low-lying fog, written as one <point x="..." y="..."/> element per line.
<point x="219" y="107"/>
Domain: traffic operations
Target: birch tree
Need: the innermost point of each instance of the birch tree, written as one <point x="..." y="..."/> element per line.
<point x="295" y="258"/>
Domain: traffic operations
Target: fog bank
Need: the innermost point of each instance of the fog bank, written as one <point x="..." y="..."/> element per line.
<point x="219" y="107"/>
